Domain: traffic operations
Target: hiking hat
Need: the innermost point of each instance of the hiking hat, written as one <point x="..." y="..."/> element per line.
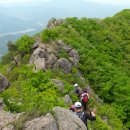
<point x="77" y="105"/>
<point x="76" y="85"/>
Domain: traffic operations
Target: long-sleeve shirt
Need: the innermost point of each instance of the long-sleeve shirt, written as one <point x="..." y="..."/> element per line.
<point x="85" y="116"/>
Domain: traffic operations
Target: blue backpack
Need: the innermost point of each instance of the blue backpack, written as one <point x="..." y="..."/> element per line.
<point x="77" y="90"/>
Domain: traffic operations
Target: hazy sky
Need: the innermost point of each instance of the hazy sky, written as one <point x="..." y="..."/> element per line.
<point x="20" y="16"/>
<point x="111" y="2"/>
<point x="90" y="8"/>
<point x="17" y="2"/>
<point x="105" y="2"/>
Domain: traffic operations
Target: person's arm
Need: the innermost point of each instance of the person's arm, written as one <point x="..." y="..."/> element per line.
<point x="88" y="95"/>
<point x="91" y="116"/>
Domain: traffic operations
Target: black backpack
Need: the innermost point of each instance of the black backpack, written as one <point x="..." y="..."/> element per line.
<point x="81" y="115"/>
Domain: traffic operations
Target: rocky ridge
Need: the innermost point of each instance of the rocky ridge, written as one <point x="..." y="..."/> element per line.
<point x="54" y="55"/>
<point x="61" y="119"/>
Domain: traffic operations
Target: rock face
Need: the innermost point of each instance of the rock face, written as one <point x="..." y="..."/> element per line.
<point x="66" y="120"/>
<point x="54" y="55"/>
<point x="54" y="22"/>
<point x="4" y="84"/>
<point x="67" y="100"/>
<point x="1" y="104"/>
<point x="6" y="120"/>
<point x="64" y="64"/>
<point x="63" y="119"/>
<point x="42" y="123"/>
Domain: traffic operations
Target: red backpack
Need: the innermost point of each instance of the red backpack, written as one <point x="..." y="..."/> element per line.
<point x="85" y="98"/>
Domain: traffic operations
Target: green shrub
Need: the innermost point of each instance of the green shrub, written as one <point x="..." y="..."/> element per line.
<point x="99" y="124"/>
<point x="63" y="54"/>
<point x="32" y="92"/>
<point x="24" y="44"/>
<point x="48" y="35"/>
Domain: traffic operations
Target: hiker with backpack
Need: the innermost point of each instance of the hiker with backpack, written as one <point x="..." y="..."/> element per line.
<point x="83" y="115"/>
<point x="77" y="90"/>
<point x="84" y="99"/>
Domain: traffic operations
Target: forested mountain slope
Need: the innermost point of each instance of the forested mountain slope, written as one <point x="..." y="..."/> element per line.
<point x="103" y="46"/>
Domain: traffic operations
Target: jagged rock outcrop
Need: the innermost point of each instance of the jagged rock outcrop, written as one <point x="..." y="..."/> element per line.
<point x="52" y="59"/>
<point x="4" y="84"/>
<point x="16" y="59"/>
<point x="35" y="45"/>
<point x="62" y="119"/>
<point x="54" y="22"/>
<point x="48" y="56"/>
<point x="64" y="64"/>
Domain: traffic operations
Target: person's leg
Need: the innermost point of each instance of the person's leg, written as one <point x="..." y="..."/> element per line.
<point x="84" y="106"/>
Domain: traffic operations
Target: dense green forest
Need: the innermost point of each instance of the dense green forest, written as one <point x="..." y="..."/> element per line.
<point x="104" y="49"/>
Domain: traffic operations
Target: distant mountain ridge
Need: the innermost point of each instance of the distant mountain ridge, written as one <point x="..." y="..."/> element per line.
<point x="16" y="18"/>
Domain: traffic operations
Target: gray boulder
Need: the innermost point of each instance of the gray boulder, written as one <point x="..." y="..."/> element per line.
<point x="67" y="100"/>
<point x="73" y="61"/>
<point x="4" y="84"/>
<point x="9" y="127"/>
<point x="43" y="46"/>
<point x="67" y="120"/>
<point x="6" y="119"/>
<point x="38" y="59"/>
<point x="40" y="64"/>
<point x="46" y="56"/>
<point x="42" y="123"/>
<point x="40" y="52"/>
<point x="51" y="49"/>
<point x="35" y="45"/>
<point x="74" y="53"/>
<point x="63" y="119"/>
<point x="64" y="64"/>
<point x="51" y="60"/>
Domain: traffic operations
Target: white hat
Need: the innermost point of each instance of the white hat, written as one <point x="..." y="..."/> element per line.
<point x="77" y="105"/>
<point x="76" y="85"/>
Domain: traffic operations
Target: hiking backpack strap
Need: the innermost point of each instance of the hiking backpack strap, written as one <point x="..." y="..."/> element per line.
<point x="80" y="114"/>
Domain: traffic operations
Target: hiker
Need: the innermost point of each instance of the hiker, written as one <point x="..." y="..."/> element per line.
<point x="83" y="115"/>
<point x="84" y="99"/>
<point x="77" y="90"/>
